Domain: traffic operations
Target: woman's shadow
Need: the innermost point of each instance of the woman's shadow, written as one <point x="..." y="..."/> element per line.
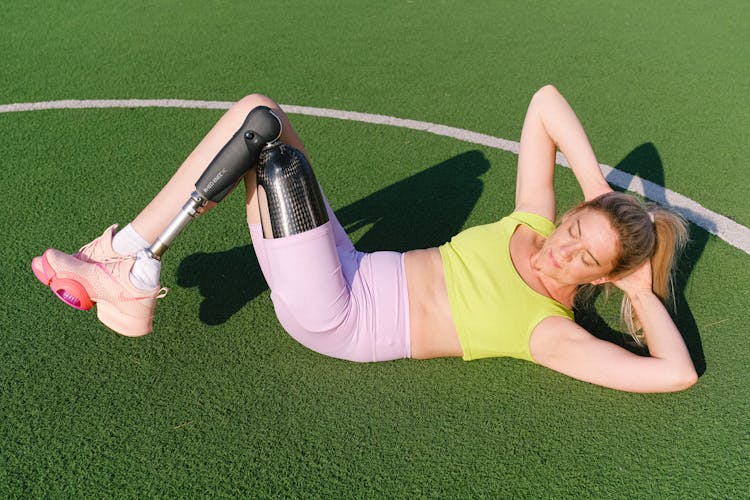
<point x="645" y="162"/>
<point x="421" y="211"/>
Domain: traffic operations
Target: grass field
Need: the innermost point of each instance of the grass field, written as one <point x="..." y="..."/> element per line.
<point x="219" y="401"/>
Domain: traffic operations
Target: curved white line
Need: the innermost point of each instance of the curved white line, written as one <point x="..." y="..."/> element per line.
<point x="723" y="227"/>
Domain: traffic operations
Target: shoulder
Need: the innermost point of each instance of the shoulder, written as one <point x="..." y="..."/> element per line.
<point x="531" y="208"/>
<point x="536" y="221"/>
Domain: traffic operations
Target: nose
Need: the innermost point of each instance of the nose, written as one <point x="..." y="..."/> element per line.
<point x="568" y="250"/>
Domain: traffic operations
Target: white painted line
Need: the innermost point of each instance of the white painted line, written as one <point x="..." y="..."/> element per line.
<point x="723" y="227"/>
<point x="114" y="103"/>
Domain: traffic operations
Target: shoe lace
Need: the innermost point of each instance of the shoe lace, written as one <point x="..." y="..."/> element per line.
<point x="92" y="245"/>
<point x="115" y="259"/>
<point x="84" y="250"/>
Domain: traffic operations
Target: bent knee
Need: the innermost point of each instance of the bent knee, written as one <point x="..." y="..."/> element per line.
<point x="254" y="100"/>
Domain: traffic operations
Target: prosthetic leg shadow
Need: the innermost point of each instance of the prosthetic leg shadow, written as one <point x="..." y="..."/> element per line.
<point x="644" y="162"/>
<point x="421" y="211"/>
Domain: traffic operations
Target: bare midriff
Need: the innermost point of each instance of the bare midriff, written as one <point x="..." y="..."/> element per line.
<point x="433" y="332"/>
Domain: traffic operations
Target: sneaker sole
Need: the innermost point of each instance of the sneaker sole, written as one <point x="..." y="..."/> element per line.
<point x="70" y="291"/>
<point x="74" y="294"/>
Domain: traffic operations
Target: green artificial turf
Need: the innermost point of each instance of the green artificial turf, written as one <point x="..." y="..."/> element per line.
<point x="219" y="401"/>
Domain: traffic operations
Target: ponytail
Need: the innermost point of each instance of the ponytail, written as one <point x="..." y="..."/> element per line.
<point x="671" y="238"/>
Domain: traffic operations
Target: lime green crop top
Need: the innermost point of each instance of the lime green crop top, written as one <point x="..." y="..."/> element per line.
<point x="494" y="310"/>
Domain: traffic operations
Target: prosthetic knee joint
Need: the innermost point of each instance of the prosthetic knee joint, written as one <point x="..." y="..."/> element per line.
<point x="295" y="203"/>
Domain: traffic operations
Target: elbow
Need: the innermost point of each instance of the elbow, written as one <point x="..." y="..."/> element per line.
<point x="683" y="379"/>
<point x="690" y="379"/>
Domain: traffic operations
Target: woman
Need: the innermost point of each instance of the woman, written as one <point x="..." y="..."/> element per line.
<point x="503" y="289"/>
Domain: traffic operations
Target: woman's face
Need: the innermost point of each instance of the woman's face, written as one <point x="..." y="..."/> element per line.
<point x="582" y="249"/>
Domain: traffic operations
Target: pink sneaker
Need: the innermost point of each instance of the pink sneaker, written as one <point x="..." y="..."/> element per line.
<point x="99" y="250"/>
<point x="106" y="283"/>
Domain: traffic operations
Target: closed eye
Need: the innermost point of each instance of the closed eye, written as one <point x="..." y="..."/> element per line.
<point x="596" y="262"/>
<point x="572" y="235"/>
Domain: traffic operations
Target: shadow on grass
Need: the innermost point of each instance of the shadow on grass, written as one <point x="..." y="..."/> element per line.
<point x="645" y="162"/>
<point x="421" y="211"/>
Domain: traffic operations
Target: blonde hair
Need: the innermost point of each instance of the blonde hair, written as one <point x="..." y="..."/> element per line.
<point x="645" y="231"/>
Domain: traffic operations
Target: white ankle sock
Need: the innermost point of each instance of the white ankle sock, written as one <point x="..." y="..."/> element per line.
<point x="145" y="272"/>
<point x="127" y="241"/>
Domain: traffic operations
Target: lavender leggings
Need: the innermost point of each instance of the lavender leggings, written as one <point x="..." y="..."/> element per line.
<point x="333" y="299"/>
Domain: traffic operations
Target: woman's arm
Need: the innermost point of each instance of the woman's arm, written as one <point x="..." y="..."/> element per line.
<point x="550" y="124"/>
<point x="564" y="346"/>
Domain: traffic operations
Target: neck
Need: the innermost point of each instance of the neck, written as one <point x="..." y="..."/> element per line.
<point x="561" y="292"/>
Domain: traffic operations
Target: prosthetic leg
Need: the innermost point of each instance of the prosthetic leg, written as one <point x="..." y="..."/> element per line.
<point x="295" y="203"/>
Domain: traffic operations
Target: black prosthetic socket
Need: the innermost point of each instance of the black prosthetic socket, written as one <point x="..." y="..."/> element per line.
<point x="295" y="203"/>
<point x="239" y="155"/>
<point x="234" y="160"/>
